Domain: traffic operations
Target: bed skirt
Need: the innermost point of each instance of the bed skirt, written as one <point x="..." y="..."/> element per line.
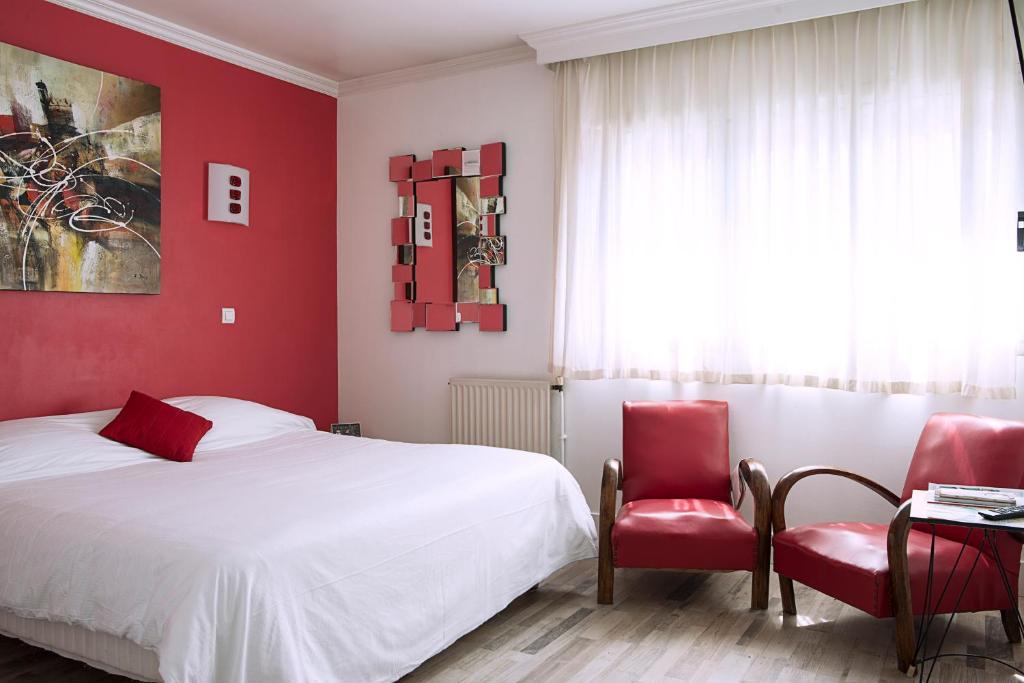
<point x="100" y="650"/>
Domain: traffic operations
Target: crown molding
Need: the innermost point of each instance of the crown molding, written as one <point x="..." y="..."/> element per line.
<point x="448" y="67"/>
<point x="118" y="14"/>
<point x="686" y="20"/>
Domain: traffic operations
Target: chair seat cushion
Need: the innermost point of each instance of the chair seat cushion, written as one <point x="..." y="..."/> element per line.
<point x="683" y="533"/>
<point x="850" y="562"/>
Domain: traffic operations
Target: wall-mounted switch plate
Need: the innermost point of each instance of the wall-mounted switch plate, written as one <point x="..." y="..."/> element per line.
<point x="227" y="316"/>
<point x="227" y="194"/>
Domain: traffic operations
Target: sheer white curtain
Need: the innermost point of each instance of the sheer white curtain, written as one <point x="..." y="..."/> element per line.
<point x="828" y="203"/>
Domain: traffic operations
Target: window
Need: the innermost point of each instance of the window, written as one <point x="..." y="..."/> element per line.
<point x="828" y="203"/>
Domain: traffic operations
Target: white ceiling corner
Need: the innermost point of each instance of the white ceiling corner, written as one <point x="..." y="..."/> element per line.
<point x="148" y="24"/>
<point x="686" y="20"/>
<point x="448" y="67"/>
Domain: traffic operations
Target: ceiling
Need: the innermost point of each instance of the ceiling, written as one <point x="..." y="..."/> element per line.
<point x="342" y="39"/>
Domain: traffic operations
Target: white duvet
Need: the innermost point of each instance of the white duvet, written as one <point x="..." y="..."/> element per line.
<point x="301" y="557"/>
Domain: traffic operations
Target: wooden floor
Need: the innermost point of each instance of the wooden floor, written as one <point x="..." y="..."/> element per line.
<point x="673" y="626"/>
<point x="664" y="626"/>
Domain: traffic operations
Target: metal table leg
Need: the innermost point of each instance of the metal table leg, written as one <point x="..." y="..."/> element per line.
<point x="928" y="617"/>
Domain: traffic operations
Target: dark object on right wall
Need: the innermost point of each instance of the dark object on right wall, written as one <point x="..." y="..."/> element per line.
<point x="1020" y="231"/>
<point x="680" y="502"/>
<point x="883" y="569"/>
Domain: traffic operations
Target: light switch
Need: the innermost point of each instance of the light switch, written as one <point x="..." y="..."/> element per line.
<point x="227" y="316"/>
<point x="227" y="194"/>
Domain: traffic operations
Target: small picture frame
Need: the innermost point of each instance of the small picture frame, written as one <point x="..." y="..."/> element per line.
<point x="347" y="428"/>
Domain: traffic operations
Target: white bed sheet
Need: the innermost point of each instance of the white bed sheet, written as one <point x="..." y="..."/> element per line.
<point x="304" y="557"/>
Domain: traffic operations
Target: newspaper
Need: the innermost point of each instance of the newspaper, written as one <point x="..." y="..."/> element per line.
<point x="1016" y="494"/>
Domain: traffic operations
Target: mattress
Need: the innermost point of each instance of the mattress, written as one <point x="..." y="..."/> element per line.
<point x="100" y="650"/>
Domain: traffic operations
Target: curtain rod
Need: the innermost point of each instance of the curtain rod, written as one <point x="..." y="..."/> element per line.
<point x="1016" y="35"/>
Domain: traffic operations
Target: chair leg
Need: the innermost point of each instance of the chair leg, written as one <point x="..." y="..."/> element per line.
<point x="788" y="596"/>
<point x="605" y="574"/>
<point x="1010" y="625"/>
<point x="759" y="588"/>
<point x="905" y="643"/>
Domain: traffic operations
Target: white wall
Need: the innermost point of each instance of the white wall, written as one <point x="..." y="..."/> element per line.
<point x="396" y="383"/>
<point x="784" y="427"/>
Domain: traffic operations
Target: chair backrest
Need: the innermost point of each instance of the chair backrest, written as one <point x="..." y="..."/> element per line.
<point x="966" y="449"/>
<point x="675" y="449"/>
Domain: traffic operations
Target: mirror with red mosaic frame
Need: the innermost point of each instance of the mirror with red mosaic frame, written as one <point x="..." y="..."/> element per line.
<point x="446" y="240"/>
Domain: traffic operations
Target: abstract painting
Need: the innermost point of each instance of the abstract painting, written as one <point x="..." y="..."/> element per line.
<point x="79" y="178"/>
<point x="447" y="239"/>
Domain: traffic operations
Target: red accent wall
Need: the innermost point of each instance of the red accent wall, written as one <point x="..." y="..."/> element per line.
<point x="64" y="353"/>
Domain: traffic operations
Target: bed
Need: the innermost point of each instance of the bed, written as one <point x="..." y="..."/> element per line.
<point x="280" y="553"/>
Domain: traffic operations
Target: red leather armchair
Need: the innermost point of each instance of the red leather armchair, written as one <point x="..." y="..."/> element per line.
<point x="678" y="509"/>
<point x="882" y="569"/>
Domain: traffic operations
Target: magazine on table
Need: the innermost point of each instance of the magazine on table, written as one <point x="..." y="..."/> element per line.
<point x="981" y="497"/>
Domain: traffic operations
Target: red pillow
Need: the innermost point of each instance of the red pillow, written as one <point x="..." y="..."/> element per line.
<point x="158" y="428"/>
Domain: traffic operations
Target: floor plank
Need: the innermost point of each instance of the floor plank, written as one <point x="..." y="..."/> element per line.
<point x="664" y="626"/>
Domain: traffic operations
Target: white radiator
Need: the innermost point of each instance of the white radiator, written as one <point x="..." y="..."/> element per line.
<point x="509" y="413"/>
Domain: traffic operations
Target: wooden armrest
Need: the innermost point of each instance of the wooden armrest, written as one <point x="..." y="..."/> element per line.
<point x="611" y="483"/>
<point x="738" y="489"/>
<point x="750" y="474"/>
<point x="899" y="573"/>
<point x="754" y="476"/>
<point x="787" y="482"/>
<point x="896" y="542"/>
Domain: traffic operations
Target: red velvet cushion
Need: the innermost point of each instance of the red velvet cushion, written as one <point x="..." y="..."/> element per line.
<point x="675" y="449"/>
<point x="157" y="427"/>
<point x="683" y="534"/>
